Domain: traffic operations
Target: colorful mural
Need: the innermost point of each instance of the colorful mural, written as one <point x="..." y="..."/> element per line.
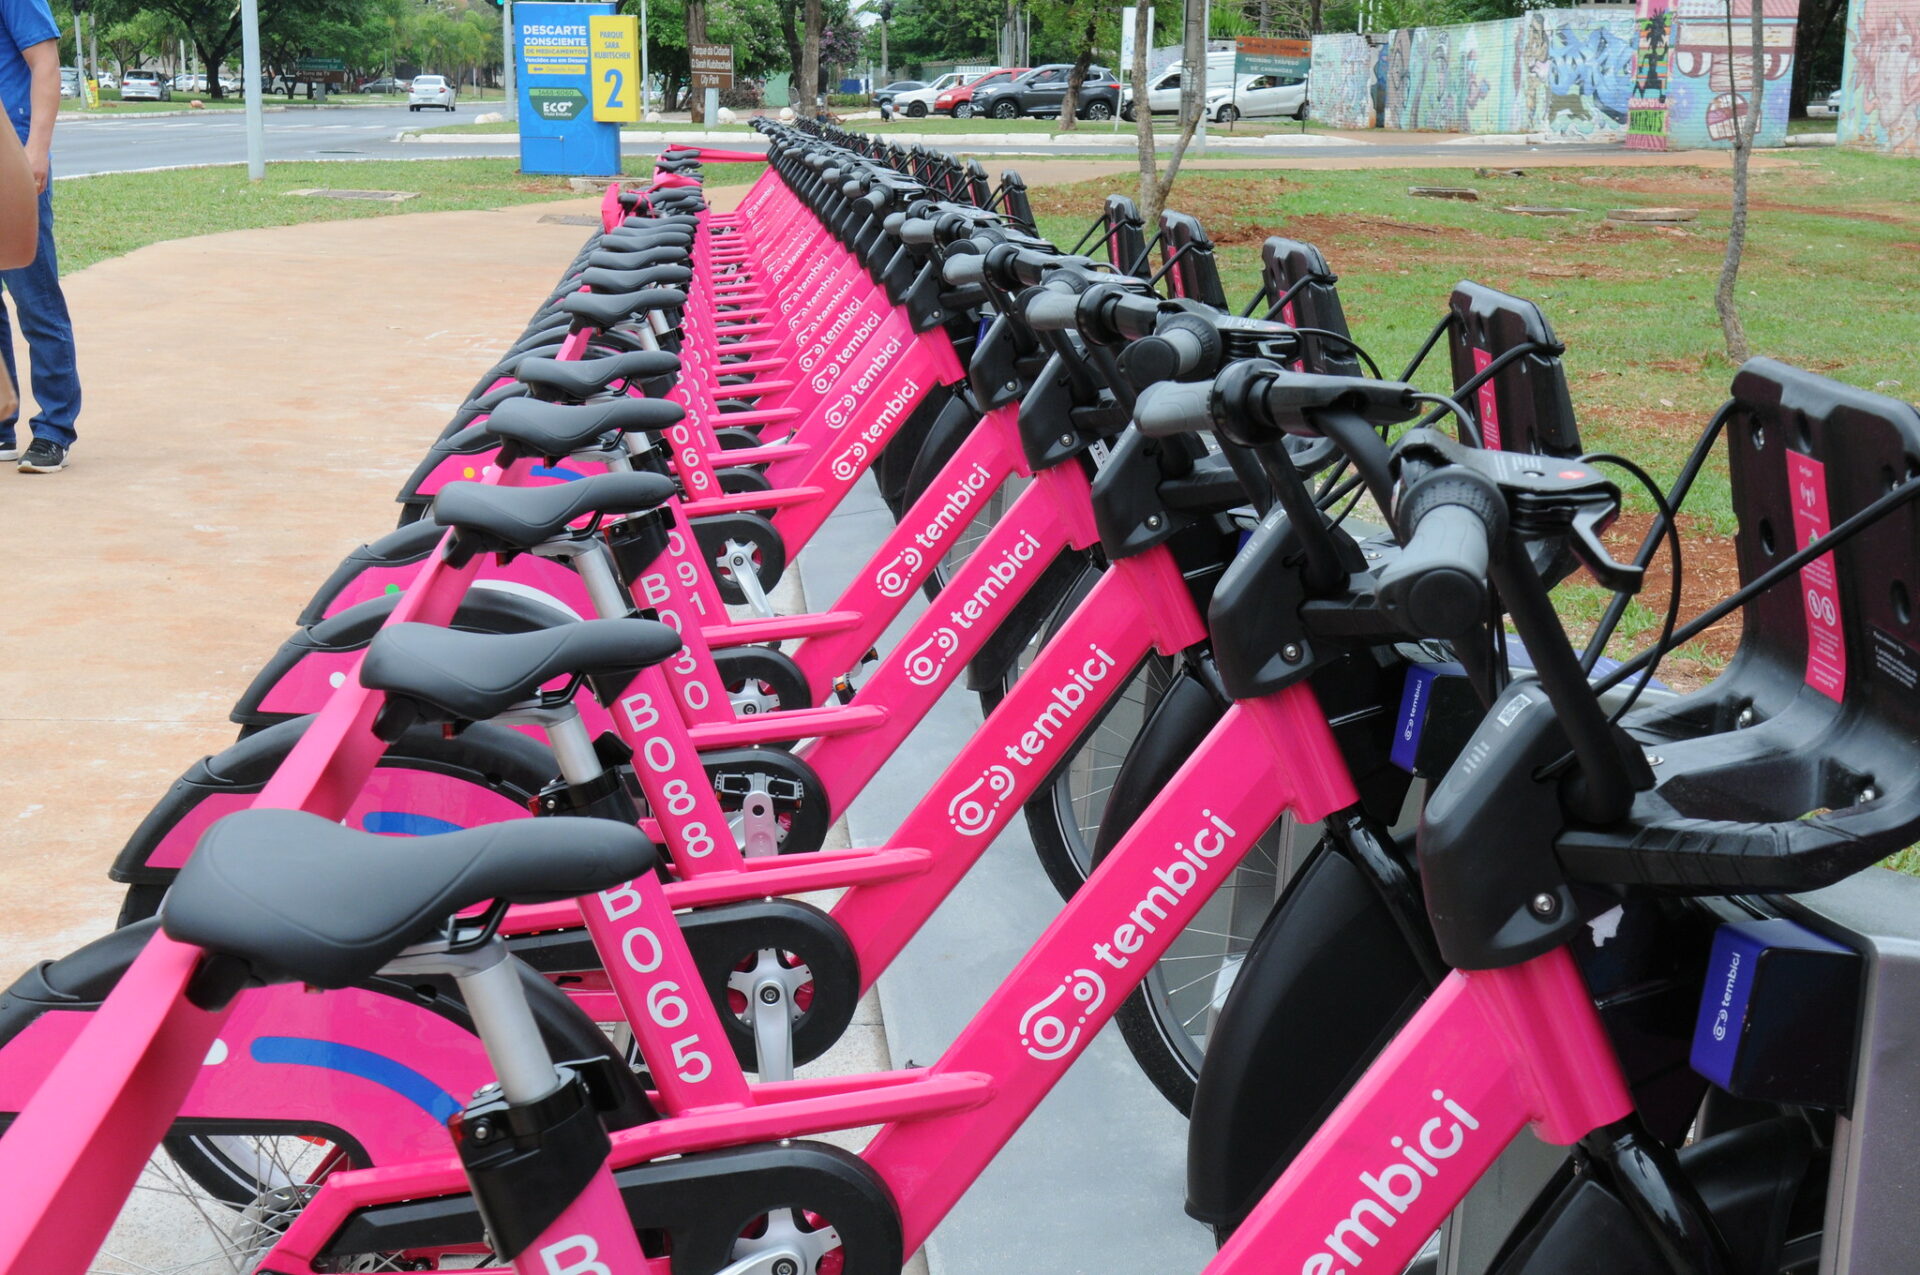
<point x="1880" y="90"/>
<point x="1340" y="82"/>
<point x="1711" y="79"/>
<point x="1647" y="105"/>
<point x="1552" y="71"/>
<point x="1664" y="77"/>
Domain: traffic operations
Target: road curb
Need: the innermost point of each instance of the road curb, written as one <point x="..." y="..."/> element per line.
<point x="1120" y="142"/>
<point x="93" y="117"/>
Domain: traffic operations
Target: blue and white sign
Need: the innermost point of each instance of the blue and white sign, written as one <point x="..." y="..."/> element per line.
<point x="558" y="133"/>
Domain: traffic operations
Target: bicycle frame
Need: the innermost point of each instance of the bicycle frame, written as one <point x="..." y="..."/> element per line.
<point x="946" y="1122"/>
<point x="1051" y="516"/>
<point x="679" y="587"/>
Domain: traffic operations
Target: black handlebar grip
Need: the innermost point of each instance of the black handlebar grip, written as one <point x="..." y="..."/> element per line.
<point x="1437" y="586"/>
<point x="1174" y="407"/>
<point x="964" y="269"/>
<point x="1165" y="356"/>
<point x="1050" y="309"/>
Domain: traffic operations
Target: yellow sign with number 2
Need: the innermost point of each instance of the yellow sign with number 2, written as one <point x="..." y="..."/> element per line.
<point x="613" y="59"/>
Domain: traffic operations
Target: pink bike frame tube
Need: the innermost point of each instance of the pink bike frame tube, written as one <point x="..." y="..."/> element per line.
<point x="1053" y="514"/>
<point x="1265" y="756"/>
<point x="1139" y="603"/>
<point x="594" y="1236"/>
<point x="69" y="1160"/>
<point x="984" y="461"/>
<point x="1491" y="1052"/>
<point x="928" y="362"/>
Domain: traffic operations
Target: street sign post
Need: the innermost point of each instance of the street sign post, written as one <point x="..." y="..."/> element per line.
<point x="711" y="66"/>
<point x="613" y="62"/>
<point x="559" y="131"/>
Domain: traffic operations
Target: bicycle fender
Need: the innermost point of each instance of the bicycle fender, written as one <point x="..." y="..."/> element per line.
<point x="483" y="774"/>
<point x="301" y="675"/>
<point x="1326" y="984"/>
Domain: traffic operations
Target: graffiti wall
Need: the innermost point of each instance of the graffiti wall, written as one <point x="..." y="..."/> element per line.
<point x="1342" y="80"/>
<point x="1647" y="104"/>
<point x="1711" y="76"/>
<point x="1663" y="77"/>
<point x="1880" y="90"/>
<point x="1552" y="71"/>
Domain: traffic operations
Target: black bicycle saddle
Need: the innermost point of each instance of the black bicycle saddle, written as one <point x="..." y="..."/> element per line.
<point x="303" y="899"/>
<point x="662" y="276"/>
<point x="638" y="259"/>
<point x="560" y="429"/>
<point x="522" y="517"/>
<point x="610" y="309"/>
<point x="585" y="378"/>
<point x="451" y="676"/>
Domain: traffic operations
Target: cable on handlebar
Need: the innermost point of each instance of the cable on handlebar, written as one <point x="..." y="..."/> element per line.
<point x="1469" y="427"/>
<point x="1676" y="496"/>
<point x="1666" y="518"/>
<point x="1773" y="575"/>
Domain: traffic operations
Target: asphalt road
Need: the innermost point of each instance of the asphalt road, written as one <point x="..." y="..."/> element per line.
<point x="132" y="144"/>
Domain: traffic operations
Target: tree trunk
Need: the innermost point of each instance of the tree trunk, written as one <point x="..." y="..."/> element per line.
<point x="1743" y="134"/>
<point x="790" y="36"/>
<point x="1070" y="104"/>
<point x="810" y="61"/>
<point x="1156" y="186"/>
<point x="1142" y="117"/>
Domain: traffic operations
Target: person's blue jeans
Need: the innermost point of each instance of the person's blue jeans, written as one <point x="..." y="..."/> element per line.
<point x="41" y="309"/>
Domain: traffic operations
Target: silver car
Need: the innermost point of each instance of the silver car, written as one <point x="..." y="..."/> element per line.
<point x="430" y="90"/>
<point x="145" y="86"/>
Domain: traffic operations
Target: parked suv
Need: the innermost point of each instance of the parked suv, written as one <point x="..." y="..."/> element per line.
<point x="1042" y="90"/>
<point x="958" y="102"/>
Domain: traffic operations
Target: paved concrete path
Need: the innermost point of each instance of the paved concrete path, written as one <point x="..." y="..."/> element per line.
<point x="233" y="447"/>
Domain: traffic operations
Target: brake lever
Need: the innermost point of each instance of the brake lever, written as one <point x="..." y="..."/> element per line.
<point x="1617" y="577"/>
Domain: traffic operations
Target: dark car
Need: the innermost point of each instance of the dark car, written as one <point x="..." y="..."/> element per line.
<point x="1042" y="90"/>
<point x="884" y="95"/>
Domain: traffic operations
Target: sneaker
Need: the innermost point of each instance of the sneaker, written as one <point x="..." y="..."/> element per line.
<point x="9" y="450"/>
<point x="43" y="457"/>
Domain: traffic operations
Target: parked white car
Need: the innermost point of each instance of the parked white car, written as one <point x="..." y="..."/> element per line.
<point x="918" y="102"/>
<point x="145" y="86"/>
<point x="1257" y="95"/>
<point x="1163" y="90"/>
<point x="430" y="90"/>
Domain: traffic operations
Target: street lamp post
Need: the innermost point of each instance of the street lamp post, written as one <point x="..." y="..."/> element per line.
<point x="510" y="108"/>
<point x="250" y="72"/>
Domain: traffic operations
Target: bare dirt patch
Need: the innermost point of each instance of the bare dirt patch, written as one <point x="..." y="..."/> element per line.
<point x="1235" y="210"/>
<point x="1710" y="573"/>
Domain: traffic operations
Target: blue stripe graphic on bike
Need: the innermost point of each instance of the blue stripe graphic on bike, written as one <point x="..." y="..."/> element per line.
<point x="405" y="823"/>
<point x="555" y="471"/>
<point x="299" y="1051"/>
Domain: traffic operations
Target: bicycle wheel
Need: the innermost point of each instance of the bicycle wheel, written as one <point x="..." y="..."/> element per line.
<point x="172" y="1223"/>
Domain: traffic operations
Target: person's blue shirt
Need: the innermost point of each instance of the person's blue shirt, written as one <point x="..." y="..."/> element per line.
<point x="23" y="24"/>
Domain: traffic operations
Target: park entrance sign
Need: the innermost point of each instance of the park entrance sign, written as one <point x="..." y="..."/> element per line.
<point x="553" y="56"/>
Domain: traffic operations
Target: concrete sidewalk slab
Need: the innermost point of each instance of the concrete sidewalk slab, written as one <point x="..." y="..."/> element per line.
<point x="253" y="402"/>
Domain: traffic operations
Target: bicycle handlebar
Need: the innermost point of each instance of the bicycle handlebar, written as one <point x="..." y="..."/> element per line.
<point x="1437" y="586"/>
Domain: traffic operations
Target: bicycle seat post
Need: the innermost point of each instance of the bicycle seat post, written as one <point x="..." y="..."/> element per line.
<point x="593" y="562"/>
<point x="490" y="987"/>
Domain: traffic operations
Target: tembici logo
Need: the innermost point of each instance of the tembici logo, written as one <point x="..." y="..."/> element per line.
<point x="1387" y="1195"/>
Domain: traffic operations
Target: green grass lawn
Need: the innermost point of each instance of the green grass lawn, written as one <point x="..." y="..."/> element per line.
<point x="108" y="216"/>
<point x="1829" y="283"/>
<point x="933" y="126"/>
